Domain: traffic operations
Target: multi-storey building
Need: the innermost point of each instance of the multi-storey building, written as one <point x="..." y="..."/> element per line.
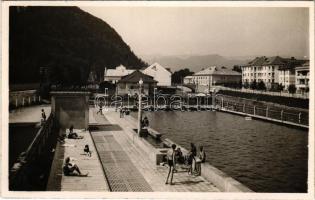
<point x="270" y="70"/>
<point x="302" y="77"/>
<point x="262" y="69"/>
<point x="287" y="72"/>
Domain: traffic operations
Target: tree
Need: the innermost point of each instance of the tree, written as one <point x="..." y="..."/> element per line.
<point x="246" y="85"/>
<point x="178" y="76"/>
<point x="292" y="89"/>
<point x="237" y="68"/>
<point x="261" y="86"/>
<point x="253" y="85"/>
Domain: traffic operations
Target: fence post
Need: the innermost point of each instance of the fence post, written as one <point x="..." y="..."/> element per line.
<point x="267" y="111"/>
<point x="281" y="115"/>
<point x="254" y="110"/>
<point x="300" y="117"/>
<point x="222" y="105"/>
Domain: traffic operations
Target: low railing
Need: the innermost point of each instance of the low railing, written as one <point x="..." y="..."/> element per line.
<point x="19" y="173"/>
<point x="266" y="112"/>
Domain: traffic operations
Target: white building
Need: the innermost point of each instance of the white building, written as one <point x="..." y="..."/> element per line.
<point x="188" y="80"/>
<point x="263" y="69"/>
<point x="160" y="74"/>
<point x="212" y="76"/>
<point x="302" y="77"/>
<point x="114" y="75"/>
<point x="287" y="72"/>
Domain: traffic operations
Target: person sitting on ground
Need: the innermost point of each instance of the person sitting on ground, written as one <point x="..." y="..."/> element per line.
<point x="71" y="169"/>
<point x="171" y="162"/>
<point x="202" y="155"/>
<point x="87" y="150"/>
<point x="179" y="155"/>
<point x="73" y="135"/>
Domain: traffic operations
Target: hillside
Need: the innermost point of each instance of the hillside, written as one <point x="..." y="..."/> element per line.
<point x="194" y="62"/>
<point x="67" y="40"/>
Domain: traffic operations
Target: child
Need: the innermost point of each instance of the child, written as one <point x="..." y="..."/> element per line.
<point x="87" y="150"/>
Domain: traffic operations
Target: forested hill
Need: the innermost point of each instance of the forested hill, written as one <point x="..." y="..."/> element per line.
<point x="67" y="40"/>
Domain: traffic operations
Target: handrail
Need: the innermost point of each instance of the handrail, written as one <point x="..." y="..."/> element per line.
<point x="24" y="159"/>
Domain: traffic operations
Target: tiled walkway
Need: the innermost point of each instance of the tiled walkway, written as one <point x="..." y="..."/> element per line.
<point x="154" y="175"/>
<point x="121" y="174"/>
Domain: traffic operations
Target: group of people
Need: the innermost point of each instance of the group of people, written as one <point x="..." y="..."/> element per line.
<point x="69" y="167"/>
<point x="123" y="111"/>
<point x="175" y="156"/>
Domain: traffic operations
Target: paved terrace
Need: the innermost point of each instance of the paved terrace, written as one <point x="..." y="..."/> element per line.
<point x="30" y="114"/>
<point x="117" y="164"/>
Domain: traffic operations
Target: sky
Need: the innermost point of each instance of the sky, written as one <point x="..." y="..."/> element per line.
<point x="210" y="30"/>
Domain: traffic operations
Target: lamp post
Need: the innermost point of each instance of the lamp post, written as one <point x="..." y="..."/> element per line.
<point x="139" y="109"/>
<point x="154" y="98"/>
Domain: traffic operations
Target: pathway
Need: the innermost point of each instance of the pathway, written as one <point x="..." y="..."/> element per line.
<point x="30" y="114"/>
<point x="154" y="175"/>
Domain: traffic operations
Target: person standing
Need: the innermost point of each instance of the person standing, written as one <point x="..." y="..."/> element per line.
<point x="43" y="115"/>
<point x="171" y="162"/>
<point x="202" y="155"/>
<point x="192" y="158"/>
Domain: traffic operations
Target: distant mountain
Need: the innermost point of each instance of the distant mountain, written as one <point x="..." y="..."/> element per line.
<point x="67" y="41"/>
<point x="195" y="62"/>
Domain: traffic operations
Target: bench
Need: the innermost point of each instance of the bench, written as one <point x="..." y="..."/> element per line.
<point x="154" y="133"/>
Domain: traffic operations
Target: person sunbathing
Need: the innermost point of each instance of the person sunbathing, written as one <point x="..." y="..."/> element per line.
<point x="73" y="135"/>
<point x="71" y="169"/>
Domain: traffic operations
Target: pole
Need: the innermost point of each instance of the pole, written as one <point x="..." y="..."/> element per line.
<point x="139" y="108"/>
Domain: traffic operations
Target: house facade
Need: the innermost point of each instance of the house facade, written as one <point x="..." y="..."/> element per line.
<point x="129" y="85"/>
<point x="114" y="75"/>
<point x="161" y="74"/>
<point x="302" y="77"/>
<point x="212" y="76"/>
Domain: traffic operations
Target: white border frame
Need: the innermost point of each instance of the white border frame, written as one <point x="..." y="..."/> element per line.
<point x="159" y="195"/>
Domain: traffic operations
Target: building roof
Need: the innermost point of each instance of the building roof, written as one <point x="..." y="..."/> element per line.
<point x="155" y="66"/>
<point x="119" y="71"/>
<point x="135" y="78"/>
<point x="213" y="70"/>
<point x="284" y="63"/>
<point x="292" y="63"/>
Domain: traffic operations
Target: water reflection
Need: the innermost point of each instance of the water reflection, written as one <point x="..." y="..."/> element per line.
<point x="264" y="156"/>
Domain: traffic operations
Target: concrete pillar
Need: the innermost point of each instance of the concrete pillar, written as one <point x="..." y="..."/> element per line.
<point x="267" y="111"/>
<point x="71" y="108"/>
<point x="281" y="115"/>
